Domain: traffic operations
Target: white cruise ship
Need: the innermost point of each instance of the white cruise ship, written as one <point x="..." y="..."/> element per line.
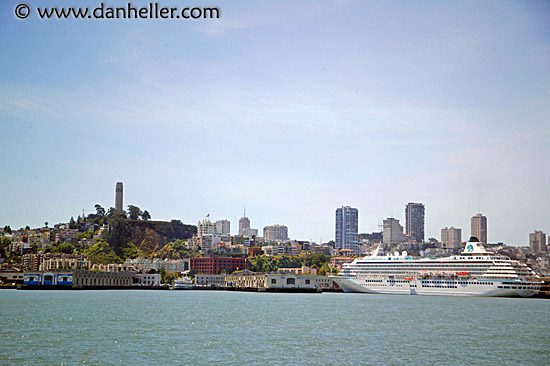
<point x="475" y="272"/>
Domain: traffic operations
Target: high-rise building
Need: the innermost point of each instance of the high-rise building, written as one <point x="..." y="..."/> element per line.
<point x="451" y="238"/>
<point x="206" y="227"/>
<point x="244" y="227"/>
<point x="347" y="226"/>
<point x="393" y="231"/>
<point x="479" y="228"/>
<point x="275" y="233"/>
<point x="414" y="213"/>
<point x="223" y="227"/>
<point x="118" y="197"/>
<point x="537" y="242"/>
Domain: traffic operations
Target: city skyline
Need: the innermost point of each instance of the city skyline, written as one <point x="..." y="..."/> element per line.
<point x="292" y="108"/>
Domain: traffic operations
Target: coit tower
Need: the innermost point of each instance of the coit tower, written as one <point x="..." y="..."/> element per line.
<point x="118" y="197"/>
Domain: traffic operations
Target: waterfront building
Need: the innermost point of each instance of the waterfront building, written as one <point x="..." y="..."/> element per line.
<point x="537" y="242"/>
<point x="206" y="227"/>
<point x="148" y="279"/>
<point x="479" y="228"/>
<point x="216" y="265"/>
<point x="451" y="238"/>
<point x="83" y="278"/>
<point x="414" y="214"/>
<point x="223" y="227"/>
<point x="247" y="279"/>
<point x="118" y="197"/>
<point x="211" y="280"/>
<point x="393" y="231"/>
<point x="347" y="226"/>
<point x="57" y="278"/>
<point x="275" y="233"/>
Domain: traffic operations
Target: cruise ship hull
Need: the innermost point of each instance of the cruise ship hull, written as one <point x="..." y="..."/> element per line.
<point x="437" y="287"/>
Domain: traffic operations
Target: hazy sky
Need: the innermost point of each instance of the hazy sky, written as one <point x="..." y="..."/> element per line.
<point x="292" y="108"/>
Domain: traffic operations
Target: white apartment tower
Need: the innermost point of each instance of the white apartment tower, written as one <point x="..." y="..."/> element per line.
<point x="206" y="227"/>
<point x="451" y="238"/>
<point x="276" y="233"/>
<point x="537" y="242"/>
<point x="393" y="231"/>
<point x="479" y="228"/>
<point x="347" y="226"/>
<point x="223" y="227"/>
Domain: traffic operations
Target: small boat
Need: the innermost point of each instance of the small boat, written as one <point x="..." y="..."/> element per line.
<point x="183" y="283"/>
<point x="463" y="274"/>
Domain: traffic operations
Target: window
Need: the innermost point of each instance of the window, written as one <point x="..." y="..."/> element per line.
<point x="307" y="282"/>
<point x="290" y="281"/>
<point x="273" y="281"/>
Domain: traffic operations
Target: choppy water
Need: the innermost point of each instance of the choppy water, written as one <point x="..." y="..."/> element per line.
<point x="234" y="328"/>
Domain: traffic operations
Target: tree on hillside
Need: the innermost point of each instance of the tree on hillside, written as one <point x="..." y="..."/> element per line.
<point x="134" y="212"/>
<point x="7" y="229"/>
<point x="72" y="223"/>
<point x="145" y="215"/>
<point x="99" y="210"/>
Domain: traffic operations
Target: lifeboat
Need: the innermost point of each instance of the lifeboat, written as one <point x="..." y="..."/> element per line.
<point x="408" y="278"/>
<point x="463" y="274"/>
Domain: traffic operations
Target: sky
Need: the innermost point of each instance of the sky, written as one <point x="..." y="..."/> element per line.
<point x="288" y="108"/>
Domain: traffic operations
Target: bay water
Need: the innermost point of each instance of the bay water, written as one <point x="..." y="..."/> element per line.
<point x="236" y="328"/>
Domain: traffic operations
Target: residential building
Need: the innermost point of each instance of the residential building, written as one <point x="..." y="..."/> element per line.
<point x="414" y="214"/>
<point x="66" y="236"/>
<point x="347" y="225"/>
<point x="393" y="231"/>
<point x="206" y="227"/>
<point x="169" y="265"/>
<point x="40" y="240"/>
<point x="451" y="238"/>
<point x="216" y="265"/>
<point x="40" y="262"/>
<point x="273" y="250"/>
<point x="66" y="261"/>
<point x="223" y="227"/>
<point x="275" y="233"/>
<point x="479" y="228"/>
<point x="113" y="267"/>
<point x="537" y="242"/>
<point x="118" y="197"/>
